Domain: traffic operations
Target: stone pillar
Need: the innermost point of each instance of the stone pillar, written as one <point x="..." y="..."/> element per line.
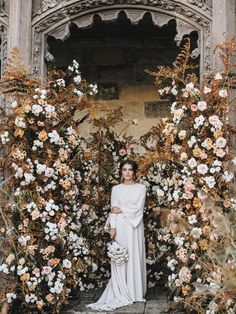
<point x="20" y="28"/>
<point x="223" y="25"/>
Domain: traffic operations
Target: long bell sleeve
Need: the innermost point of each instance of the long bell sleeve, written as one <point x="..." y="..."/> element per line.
<point x="114" y="202"/>
<point x="134" y="213"/>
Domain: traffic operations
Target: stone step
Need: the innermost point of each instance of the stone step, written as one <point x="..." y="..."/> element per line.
<point x="156" y="303"/>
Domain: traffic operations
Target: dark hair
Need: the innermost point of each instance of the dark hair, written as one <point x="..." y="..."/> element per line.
<point x="131" y="163"/>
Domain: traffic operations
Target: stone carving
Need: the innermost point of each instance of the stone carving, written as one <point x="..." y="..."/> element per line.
<point x="48" y="4"/>
<point x="3" y="8"/>
<point x="3" y="47"/>
<point x="189" y="18"/>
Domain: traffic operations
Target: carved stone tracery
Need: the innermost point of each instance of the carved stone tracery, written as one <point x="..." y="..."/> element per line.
<point x="56" y="22"/>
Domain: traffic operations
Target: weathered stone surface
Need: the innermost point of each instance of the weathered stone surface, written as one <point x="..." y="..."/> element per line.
<point x="156" y="303"/>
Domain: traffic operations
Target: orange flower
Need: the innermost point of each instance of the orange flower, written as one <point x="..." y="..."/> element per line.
<point x="53" y="261"/>
<point x="217" y="134"/>
<point x="39" y="304"/>
<point x="43" y="136"/>
<point x="25" y="277"/>
<point x="197" y="152"/>
<point x="203" y="244"/>
<point x="49" y="297"/>
<point x="206" y="230"/>
<point x="19" y="132"/>
<point x="186" y="289"/>
<point x="196" y="202"/>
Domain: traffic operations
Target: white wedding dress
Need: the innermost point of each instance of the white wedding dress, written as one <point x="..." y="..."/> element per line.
<point x="128" y="282"/>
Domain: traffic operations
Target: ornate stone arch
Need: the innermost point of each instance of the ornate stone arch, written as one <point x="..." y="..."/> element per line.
<point x="55" y="21"/>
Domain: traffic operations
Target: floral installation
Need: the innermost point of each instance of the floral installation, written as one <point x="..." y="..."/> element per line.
<point x="56" y="188"/>
<point x="45" y="162"/>
<point x="191" y="184"/>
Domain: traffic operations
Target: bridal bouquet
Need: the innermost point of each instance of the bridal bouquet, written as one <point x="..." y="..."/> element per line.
<point x="117" y="253"/>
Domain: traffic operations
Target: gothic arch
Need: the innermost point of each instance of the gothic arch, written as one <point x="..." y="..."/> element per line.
<point x="55" y="21"/>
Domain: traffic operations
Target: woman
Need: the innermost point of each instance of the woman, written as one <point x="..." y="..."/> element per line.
<point x="128" y="282"/>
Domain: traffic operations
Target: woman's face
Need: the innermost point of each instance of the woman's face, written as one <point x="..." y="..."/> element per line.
<point x="127" y="172"/>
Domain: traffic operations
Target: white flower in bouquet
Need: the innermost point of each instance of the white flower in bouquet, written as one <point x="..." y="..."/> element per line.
<point x="192" y="163"/>
<point x="215" y="121"/>
<point x="117" y="253"/>
<point x="221" y="142"/>
<point x="202" y="105"/>
<point x="196" y="232"/>
<point x="206" y="90"/>
<point x="20" y="122"/>
<point x="198" y="121"/>
<point x="223" y="93"/>
<point x="228" y="176"/>
<point x="67" y="264"/>
<point x="10" y="297"/>
<point x="210" y="181"/>
<point x="202" y="169"/>
<point x="218" y="76"/>
<point x="36" y="109"/>
<point x="192" y="219"/>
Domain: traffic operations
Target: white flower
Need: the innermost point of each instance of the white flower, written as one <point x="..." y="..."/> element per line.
<point x="174" y="91"/>
<point x="49" y="172"/>
<point x="198" y="121"/>
<point x="49" y="108"/>
<point x="221" y="142"/>
<point x="192" y="219"/>
<point x="196" y="232"/>
<point x="75" y="64"/>
<point x="40" y="168"/>
<point x="14" y="104"/>
<point x="202" y="169"/>
<point x="192" y="163"/>
<point x="182" y="134"/>
<point x="171" y="264"/>
<point x="31" y="298"/>
<point x="61" y="82"/>
<point x="160" y="192"/>
<point x="66" y="263"/>
<point x="4" y="269"/>
<point x="20" y="122"/>
<point x="77" y="79"/>
<point x="234" y="161"/>
<point x="228" y="176"/>
<point x="218" y="76"/>
<point x="94" y="89"/>
<point x="202" y="105"/>
<point x="54" y="137"/>
<point x="210" y="181"/>
<point x="192" y="141"/>
<point x="29" y="177"/>
<point x="223" y="93"/>
<point x="78" y="92"/>
<point x="206" y="90"/>
<point x="10" y="297"/>
<point x="215" y="121"/>
<point x="184" y="274"/>
<point x="37" y="109"/>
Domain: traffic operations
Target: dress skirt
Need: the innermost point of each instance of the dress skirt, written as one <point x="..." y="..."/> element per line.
<point x="128" y="281"/>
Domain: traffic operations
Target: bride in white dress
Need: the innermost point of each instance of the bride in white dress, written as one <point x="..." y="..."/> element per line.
<point x="128" y="282"/>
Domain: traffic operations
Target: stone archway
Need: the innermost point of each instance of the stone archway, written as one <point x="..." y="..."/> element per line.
<point x="57" y="16"/>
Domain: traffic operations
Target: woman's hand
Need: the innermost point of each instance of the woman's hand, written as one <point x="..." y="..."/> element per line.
<point x="116" y="210"/>
<point x="112" y="232"/>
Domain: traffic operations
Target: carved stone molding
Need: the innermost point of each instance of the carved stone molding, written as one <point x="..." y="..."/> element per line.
<point x="56" y="21"/>
<point x="4" y="43"/>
